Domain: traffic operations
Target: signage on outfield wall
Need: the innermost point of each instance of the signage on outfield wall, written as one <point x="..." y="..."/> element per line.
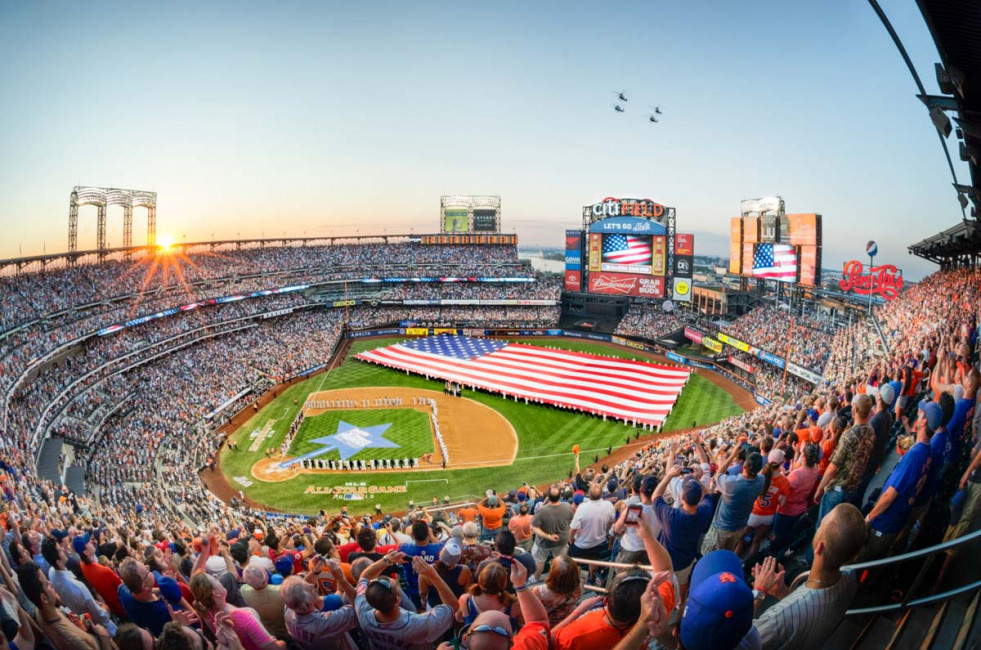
<point x="803" y="373"/>
<point x="417" y="331"/>
<point x="627" y="284"/>
<point x="762" y="401"/>
<point x="674" y="356"/>
<point x="712" y="344"/>
<point x="885" y="280"/>
<point x="739" y="363"/>
<point x="772" y="359"/>
<point x="693" y="335"/>
<point x="613" y="207"/>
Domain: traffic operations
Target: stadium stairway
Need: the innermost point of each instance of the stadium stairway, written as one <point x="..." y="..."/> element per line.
<point x="950" y="624"/>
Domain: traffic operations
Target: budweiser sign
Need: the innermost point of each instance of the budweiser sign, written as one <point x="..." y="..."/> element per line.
<point x="627" y="284"/>
<point x="884" y="280"/>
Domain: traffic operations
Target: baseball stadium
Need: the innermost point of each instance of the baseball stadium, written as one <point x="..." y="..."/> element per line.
<point x="475" y="426"/>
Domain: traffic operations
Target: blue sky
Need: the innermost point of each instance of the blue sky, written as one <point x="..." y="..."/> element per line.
<point x="320" y="118"/>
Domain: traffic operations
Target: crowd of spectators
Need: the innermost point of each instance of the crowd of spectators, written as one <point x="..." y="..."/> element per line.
<point x="648" y="322"/>
<point x="723" y="517"/>
<point x="808" y="345"/>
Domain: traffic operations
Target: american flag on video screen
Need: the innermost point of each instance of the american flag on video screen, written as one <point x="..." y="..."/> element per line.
<point x="627" y="249"/>
<point x="631" y="390"/>
<point x="776" y="261"/>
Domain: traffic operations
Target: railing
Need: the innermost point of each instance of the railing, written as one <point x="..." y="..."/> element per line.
<point x="907" y="600"/>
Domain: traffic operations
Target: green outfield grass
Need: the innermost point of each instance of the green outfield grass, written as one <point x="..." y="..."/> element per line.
<point x="545" y="437"/>
<point x="410" y="430"/>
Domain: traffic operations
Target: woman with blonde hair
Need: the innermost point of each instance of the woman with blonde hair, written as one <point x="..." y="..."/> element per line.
<point x="488" y="594"/>
<point x="209" y="602"/>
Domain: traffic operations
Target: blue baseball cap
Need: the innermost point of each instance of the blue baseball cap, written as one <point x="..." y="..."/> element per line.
<point x="933" y="414"/>
<point x="276" y="579"/>
<point x="284" y="564"/>
<point x="79" y="542"/>
<point x="719" y="612"/>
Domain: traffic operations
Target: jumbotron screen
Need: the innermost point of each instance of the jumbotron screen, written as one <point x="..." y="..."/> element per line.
<point x="786" y="248"/>
<point x="624" y="264"/>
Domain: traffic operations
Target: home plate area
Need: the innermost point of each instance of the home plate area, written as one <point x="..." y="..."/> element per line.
<point x="386" y="429"/>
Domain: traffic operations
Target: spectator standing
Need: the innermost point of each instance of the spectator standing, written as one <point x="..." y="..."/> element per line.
<point x="841" y="480"/>
<point x="265" y="599"/>
<point x="551" y="528"/>
<point x="802" y="482"/>
<point x="737" y="493"/>
<point x="892" y="510"/>
<point x="520" y="527"/>
<point x="104" y="580"/>
<point x="491" y="515"/>
<point x="73" y="593"/>
<point x="389" y="626"/>
<point x="423" y="548"/>
<point x="309" y="626"/>
<point x="681" y="528"/>
<point x="590" y="526"/>
<point x="63" y="633"/>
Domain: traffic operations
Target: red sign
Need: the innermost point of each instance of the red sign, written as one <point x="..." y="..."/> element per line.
<point x="694" y="335"/>
<point x="684" y="244"/>
<point x="884" y="280"/>
<point x="627" y="284"/>
<point x="740" y="364"/>
<point x="572" y="281"/>
<point x="572" y="242"/>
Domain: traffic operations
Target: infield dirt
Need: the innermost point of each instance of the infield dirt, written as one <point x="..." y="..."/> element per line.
<point x="474" y="434"/>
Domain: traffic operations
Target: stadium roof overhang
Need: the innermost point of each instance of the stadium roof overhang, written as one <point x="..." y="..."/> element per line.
<point x="956" y="29"/>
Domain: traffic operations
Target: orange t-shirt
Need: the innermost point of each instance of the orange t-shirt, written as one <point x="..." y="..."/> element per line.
<point x="593" y="630"/>
<point x="467" y="514"/>
<point x="803" y="435"/>
<point x="493" y="517"/>
<point x="827" y="448"/>
<point x="767" y="504"/>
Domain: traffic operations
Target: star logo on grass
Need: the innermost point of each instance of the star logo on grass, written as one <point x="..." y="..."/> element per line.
<point x="349" y="440"/>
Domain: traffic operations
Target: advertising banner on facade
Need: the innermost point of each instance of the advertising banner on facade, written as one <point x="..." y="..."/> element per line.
<point x="693" y="335"/>
<point x="484" y="220"/>
<point x="595" y="251"/>
<point x="682" y="290"/>
<point x="659" y="258"/>
<point x="739" y="363"/>
<point x="573" y="280"/>
<point x="712" y="344"/>
<point x="627" y="284"/>
<point x="684" y="244"/>
<point x="673" y="356"/>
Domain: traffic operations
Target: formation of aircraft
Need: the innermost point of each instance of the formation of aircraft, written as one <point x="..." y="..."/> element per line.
<point x="622" y="100"/>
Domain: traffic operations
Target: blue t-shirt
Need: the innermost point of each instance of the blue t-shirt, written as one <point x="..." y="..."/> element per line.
<point x="429" y="553"/>
<point x="154" y="615"/>
<point x="955" y="427"/>
<point x="679" y="531"/>
<point x="941" y="453"/>
<point x="905" y="479"/>
<point x="738" y="495"/>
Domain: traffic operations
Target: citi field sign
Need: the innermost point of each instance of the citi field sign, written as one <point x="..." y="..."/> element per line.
<point x="614" y="207"/>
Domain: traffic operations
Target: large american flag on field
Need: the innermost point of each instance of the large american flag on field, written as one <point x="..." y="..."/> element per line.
<point x="776" y="261"/>
<point x="627" y="249"/>
<point x="628" y="390"/>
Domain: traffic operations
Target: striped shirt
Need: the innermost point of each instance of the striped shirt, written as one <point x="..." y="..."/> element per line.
<point x="806" y="618"/>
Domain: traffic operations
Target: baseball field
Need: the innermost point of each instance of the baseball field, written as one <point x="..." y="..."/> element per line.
<point x="490" y="441"/>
